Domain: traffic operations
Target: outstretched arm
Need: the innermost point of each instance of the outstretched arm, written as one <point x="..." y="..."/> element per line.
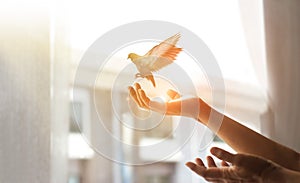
<point x="239" y="137"/>
<point x="245" y="140"/>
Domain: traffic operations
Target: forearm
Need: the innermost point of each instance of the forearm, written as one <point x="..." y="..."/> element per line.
<point x="245" y="140"/>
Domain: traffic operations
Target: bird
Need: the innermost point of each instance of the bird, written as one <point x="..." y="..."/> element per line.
<point x="156" y="58"/>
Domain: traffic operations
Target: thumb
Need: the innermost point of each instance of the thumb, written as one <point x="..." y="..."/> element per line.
<point x="173" y="94"/>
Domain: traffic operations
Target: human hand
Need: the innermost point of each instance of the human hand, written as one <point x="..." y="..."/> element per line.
<point x="175" y="105"/>
<point x="243" y="168"/>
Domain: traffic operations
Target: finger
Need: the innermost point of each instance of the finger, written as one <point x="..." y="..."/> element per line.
<point x="222" y="154"/>
<point x="199" y="162"/>
<point x="143" y="98"/>
<point x="210" y="162"/>
<point x="224" y="163"/>
<point x="137" y="86"/>
<point x="133" y="95"/>
<point x="173" y="94"/>
<point x="197" y="169"/>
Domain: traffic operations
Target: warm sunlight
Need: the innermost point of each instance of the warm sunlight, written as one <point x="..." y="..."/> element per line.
<point x="72" y="76"/>
<point x="222" y="32"/>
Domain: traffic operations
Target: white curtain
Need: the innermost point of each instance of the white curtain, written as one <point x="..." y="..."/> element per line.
<point x="274" y="48"/>
<point x="24" y="94"/>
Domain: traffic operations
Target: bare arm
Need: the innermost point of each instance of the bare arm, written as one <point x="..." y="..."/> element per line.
<point x="239" y="137"/>
<point x="245" y="140"/>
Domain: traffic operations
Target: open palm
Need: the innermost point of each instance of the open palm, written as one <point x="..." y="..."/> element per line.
<point x="176" y="105"/>
<point x="242" y="168"/>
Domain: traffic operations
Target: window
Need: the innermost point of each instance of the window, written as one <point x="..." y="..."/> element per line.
<point x="217" y="23"/>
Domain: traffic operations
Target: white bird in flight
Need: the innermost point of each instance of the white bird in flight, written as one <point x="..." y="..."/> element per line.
<point x="158" y="57"/>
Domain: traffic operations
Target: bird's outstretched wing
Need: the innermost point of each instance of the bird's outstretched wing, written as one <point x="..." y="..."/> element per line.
<point x="164" y="53"/>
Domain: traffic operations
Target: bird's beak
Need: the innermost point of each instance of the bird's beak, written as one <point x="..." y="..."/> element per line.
<point x="128" y="57"/>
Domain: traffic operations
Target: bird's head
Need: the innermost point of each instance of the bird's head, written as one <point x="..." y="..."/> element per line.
<point x="133" y="56"/>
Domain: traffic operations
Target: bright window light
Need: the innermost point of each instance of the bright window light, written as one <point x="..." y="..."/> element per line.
<point x="216" y="22"/>
<point x="78" y="148"/>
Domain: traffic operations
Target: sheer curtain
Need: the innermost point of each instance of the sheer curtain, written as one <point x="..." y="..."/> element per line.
<point x="25" y="93"/>
<point x="282" y="27"/>
<point x="274" y="44"/>
<point x="59" y="91"/>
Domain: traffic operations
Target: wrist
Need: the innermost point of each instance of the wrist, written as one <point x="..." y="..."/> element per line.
<point x="204" y="112"/>
<point x="281" y="175"/>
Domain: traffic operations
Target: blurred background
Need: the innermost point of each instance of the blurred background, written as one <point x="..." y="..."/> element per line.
<point x="42" y="43"/>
